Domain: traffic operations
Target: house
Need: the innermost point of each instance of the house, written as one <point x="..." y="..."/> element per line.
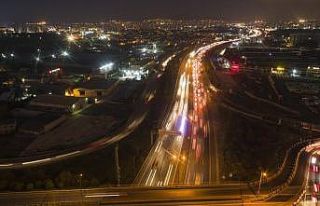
<point x="91" y="89"/>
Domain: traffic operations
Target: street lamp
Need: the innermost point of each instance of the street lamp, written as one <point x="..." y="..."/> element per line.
<point x="65" y="53"/>
<point x="262" y="175"/>
<point x="180" y="161"/>
<point x="183" y="158"/>
<point x="80" y="183"/>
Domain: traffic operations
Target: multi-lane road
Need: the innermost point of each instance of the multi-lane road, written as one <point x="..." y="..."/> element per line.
<point x="182" y="155"/>
<point x="185" y="154"/>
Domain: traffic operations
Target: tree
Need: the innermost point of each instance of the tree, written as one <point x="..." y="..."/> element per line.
<point x="64" y="179"/>
<point x="30" y="186"/>
<point x="94" y="182"/>
<point x="17" y="186"/>
<point x="38" y="184"/>
<point x="3" y="184"/>
<point x="49" y="184"/>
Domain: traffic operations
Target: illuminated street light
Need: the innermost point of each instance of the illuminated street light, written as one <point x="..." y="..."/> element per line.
<point x="262" y="176"/>
<point x="37" y="59"/>
<point x="53" y="56"/>
<point x="104" y="37"/>
<point x="80" y="183"/>
<point x="154" y="46"/>
<point x="65" y="53"/>
<point x="302" y="21"/>
<point x="70" y="38"/>
<point x="144" y="50"/>
<point x="183" y="158"/>
<point x="107" y="67"/>
<point x="174" y="157"/>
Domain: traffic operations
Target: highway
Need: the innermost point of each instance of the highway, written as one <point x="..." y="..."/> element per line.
<point x="181" y="155"/>
<point x="179" y="169"/>
<point x="310" y="194"/>
<point x="233" y="193"/>
<point x="238" y="193"/>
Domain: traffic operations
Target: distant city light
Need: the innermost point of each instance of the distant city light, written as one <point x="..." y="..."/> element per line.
<point x="223" y="52"/>
<point x="165" y="63"/>
<point x="71" y="38"/>
<point x="295" y="73"/>
<point x="37" y="59"/>
<point x="302" y="21"/>
<point x="154" y="46"/>
<point x="104" y="37"/>
<point x="54" y="71"/>
<point x="107" y="67"/>
<point x="53" y="56"/>
<point x="65" y="53"/>
<point x="136" y="74"/>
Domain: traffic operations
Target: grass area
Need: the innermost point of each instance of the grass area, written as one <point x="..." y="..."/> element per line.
<point x="251" y="146"/>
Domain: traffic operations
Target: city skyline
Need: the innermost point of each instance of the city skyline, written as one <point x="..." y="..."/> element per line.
<point x="180" y="102"/>
<point x="97" y="10"/>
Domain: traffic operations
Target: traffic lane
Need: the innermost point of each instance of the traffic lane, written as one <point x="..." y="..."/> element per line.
<point x="174" y="149"/>
<point x="162" y="160"/>
<point x="234" y="202"/>
<point x="298" y="183"/>
<point x="124" y="192"/>
<point x="171" y="148"/>
<point x="39" y="199"/>
<point x="180" y="195"/>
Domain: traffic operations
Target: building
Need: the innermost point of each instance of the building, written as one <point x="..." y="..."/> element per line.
<point x="313" y="72"/>
<point x="92" y="88"/>
<point x="7" y="30"/>
<point x="57" y="103"/>
<point x="305" y="38"/>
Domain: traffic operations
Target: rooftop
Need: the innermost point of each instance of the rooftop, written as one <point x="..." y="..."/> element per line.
<point x="54" y="100"/>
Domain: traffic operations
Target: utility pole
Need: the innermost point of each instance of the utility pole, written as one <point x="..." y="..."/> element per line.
<point x="262" y="175"/>
<point x="81" y="191"/>
<point x="118" y="169"/>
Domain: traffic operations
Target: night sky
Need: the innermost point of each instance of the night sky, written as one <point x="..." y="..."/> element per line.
<point x="99" y="10"/>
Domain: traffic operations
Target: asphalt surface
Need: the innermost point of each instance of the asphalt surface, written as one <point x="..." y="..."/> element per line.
<point x="185" y="123"/>
<point x="182" y="153"/>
